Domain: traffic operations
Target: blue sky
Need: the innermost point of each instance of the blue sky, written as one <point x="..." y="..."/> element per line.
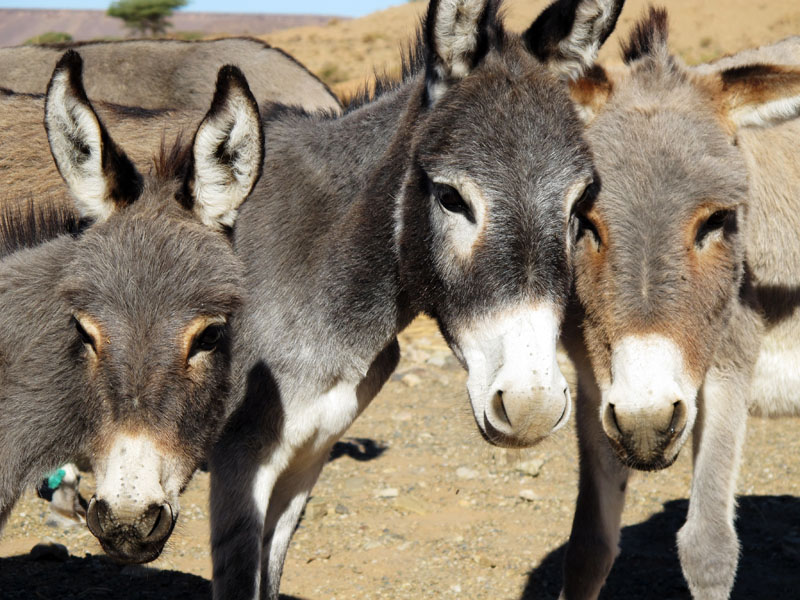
<point x="352" y="8"/>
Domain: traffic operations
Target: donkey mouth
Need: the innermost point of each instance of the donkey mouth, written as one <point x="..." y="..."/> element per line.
<point x="656" y="460"/>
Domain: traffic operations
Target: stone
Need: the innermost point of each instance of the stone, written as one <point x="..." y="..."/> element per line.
<point x="466" y="473"/>
<point x="531" y="467"/>
<point x="388" y="493"/>
<point x="528" y="495"/>
<point x="411" y="504"/>
<point x="316" y="509"/>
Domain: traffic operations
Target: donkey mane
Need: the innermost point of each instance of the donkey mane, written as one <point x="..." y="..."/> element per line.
<point x="29" y="224"/>
<point x="649" y="34"/>
<point x="412" y="62"/>
<point x="172" y="162"/>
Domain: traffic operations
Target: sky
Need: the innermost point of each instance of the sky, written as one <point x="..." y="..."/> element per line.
<point x="352" y="8"/>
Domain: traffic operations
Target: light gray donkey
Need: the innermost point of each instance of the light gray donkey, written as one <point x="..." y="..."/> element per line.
<point x="449" y="193"/>
<point x="686" y="266"/>
<point x="115" y="339"/>
<point x="157" y="74"/>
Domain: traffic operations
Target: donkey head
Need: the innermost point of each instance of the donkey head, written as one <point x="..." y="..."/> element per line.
<point x="498" y="161"/>
<point x="149" y="295"/>
<point x="659" y="252"/>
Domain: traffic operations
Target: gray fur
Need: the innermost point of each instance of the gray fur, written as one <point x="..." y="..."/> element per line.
<point x="345" y="240"/>
<point x="160" y="74"/>
<point x="96" y="326"/>
<point x="721" y="290"/>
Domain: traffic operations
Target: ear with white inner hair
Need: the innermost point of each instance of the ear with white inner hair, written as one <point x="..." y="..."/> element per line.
<point x="99" y="175"/>
<point x="458" y="34"/>
<point x="227" y="152"/>
<point x="758" y="95"/>
<point x="568" y="34"/>
<point x="590" y="93"/>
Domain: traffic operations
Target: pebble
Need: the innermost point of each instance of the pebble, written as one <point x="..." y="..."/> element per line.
<point x="49" y="551"/>
<point x="316" y="509"/>
<point x="531" y="467"/>
<point x="341" y="509"/>
<point x="411" y="380"/>
<point x="388" y="493"/>
<point x="528" y="495"/>
<point x="466" y="473"/>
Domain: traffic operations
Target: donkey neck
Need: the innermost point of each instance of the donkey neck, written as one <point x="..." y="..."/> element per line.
<point x="317" y="234"/>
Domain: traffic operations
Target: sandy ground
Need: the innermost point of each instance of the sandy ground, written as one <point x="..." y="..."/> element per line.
<point x="414" y="504"/>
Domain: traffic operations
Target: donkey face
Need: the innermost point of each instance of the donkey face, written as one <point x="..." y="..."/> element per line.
<point x="149" y="295"/>
<point x="498" y="162"/>
<point x="659" y="252"/>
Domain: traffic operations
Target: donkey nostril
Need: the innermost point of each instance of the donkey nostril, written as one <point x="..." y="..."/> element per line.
<point x="678" y="421"/>
<point x="499" y="408"/>
<point x="610" y="422"/>
<point x="161" y="523"/>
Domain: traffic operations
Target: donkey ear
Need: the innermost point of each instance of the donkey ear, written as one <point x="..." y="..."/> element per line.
<point x="227" y="152"/>
<point x="758" y="95"/>
<point x="99" y="175"/>
<point x="569" y="33"/>
<point x="590" y="93"/>
<point x="457" y="36"/>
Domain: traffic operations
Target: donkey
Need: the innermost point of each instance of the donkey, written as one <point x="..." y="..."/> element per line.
<point x="448" y="193"/>
<point x="158" y="74"/>
<point x="686" y="268"/>
<point x="116" y="339"/>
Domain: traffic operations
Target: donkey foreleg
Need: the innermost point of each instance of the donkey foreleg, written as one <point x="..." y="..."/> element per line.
<point x="286" y="506"/>
<point x="707" y="543"/>
<point x="594" y="540"/>
<point x="240" y="493"/>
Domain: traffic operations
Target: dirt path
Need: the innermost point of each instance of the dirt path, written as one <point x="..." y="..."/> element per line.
<point x="415" y="505"/>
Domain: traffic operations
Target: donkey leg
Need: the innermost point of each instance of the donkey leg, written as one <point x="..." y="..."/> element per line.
<point x="707" y="543"/>
<point x="289" y="499"/>
<point x="594" y="540"/>
<point x="240" y="493"/>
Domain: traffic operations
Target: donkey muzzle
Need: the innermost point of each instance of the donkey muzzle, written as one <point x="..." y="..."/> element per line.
<point x="131" y="538"/>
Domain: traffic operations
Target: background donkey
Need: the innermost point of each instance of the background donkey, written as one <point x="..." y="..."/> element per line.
<point x="115" y="342"/>
<point x="448" y="193"/>
<point x="169" y="73"/>
<point x="687" y="279"/>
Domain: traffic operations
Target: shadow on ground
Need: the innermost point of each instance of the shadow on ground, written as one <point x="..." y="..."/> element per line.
<point x="648" y="567"/>
<point x="97" y="578"/>
<point x="360" y="449"/>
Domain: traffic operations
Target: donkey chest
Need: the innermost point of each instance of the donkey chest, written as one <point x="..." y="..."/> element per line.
<point x="775" y="388"/>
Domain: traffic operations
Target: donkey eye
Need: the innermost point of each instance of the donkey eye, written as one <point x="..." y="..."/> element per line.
<point x="722" y="221"/>
<point x="208" y="340"/>
<point x="85" y="337"/>
<point x="449" y="199"/>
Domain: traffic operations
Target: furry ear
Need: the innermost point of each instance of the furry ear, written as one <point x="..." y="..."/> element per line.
<point x="758" y="95"/>
<point x="590" y="93"/>
<point x="99" y="175"/>
<point x="649" y="36"/>
<point x="458" y="34"/>
<point x="227" y="152"/>
<point x="568" y="34"/>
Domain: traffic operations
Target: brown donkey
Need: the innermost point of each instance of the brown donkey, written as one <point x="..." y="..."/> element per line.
<point x="115" y="339"/>
<point x="687" y="264"/>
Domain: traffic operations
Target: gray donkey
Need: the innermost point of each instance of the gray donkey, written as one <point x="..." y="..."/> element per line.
<point x="449" y="193"/>
<point x="686" y="266"/>
<point x="174" y="74"/>
<point x="115" y="340"/>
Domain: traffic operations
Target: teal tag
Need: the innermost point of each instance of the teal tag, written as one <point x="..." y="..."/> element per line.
<point x="54" y="479"/>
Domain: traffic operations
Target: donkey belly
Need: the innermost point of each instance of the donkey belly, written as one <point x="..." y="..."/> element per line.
<point x="775" y="389"/>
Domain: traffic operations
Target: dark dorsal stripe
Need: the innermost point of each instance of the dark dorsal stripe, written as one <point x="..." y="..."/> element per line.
<point x="32" y="223"/>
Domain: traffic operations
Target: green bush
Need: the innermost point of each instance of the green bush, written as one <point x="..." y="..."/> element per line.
<point x="141" y="16"/>
<point x="50" y="37"/>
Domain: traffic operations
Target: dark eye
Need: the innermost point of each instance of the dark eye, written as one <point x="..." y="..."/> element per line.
<point x="85" y="337"/>
<point x="450" y="200"/>
<point x="722" y="221"/>
<point x="208" y="340"/>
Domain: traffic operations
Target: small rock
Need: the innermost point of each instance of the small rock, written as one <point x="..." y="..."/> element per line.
<point x="402" y="416"/>
<point x="528" y="495"/>
<point x="484" y="561"/>
<point x="466" y="473"/>
<point x="410" y="504"/>
<point x="411" y="380"/>
<point x="531" y="467"/>
<point x="354" y="484"/>
<point x="341" y="509"/>
<point x="49" y="551"/>
<point x="388" y="493"/>
<point x="316" y="509"/>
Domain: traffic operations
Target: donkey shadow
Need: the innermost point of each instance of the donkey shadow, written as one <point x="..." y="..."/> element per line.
<point x="648" y="567"/>
<point x="97" y="578"/>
